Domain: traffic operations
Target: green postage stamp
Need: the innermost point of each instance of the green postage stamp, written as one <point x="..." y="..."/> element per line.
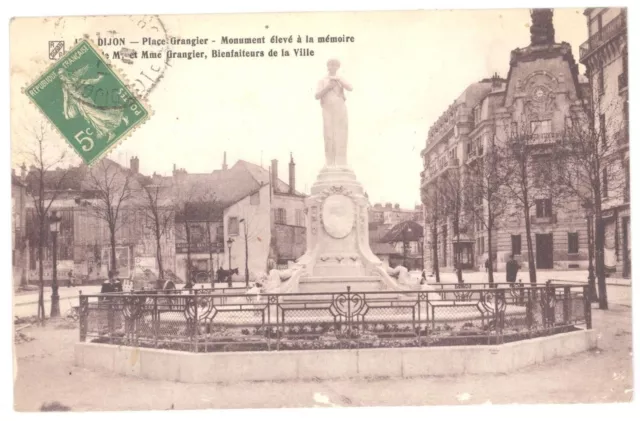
<point x="87" y="102"/>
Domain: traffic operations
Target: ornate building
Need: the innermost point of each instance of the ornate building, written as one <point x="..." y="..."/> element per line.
<point x="542" y="88"/>
<point x="605" y="56"/>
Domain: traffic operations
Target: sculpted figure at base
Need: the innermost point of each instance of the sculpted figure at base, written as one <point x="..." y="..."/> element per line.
<point x="330" y="92"/>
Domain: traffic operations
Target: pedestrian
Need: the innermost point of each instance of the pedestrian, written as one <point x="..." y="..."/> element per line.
<point x="71" y="280"/>
<point x="512" y="270"/>
<point x="108" y="285"/>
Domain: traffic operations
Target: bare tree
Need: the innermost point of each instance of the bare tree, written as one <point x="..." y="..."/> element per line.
<point x="44" y="183"/>
<point x="485" y="192"/>
<point x="453" y="198"/>
<point x="595" y="170"/>
<point x="159" y="217"/>
<point x="112" y="188"/>
<point x="431" y="197"/>
<point x="531" y="160"/>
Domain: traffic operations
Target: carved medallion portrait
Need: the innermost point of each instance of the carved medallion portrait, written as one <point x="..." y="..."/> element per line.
<point x="338" y="215"/>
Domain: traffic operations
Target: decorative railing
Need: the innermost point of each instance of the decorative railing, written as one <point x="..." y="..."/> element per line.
<point x="546" y="138"/>
<point x="616" y="27"/>
<point x="460" y="314"/>
<point x="544" y="219"/>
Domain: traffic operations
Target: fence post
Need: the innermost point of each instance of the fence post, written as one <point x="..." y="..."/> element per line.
<point x="195" y="324"/>
<point x="495" y="315"/>
<point x="566" y="306"/>
<point x="587" y="305"/>
<point x="110" y="318"/>
<point x="82" y="310"/>
<point x="349" y="315"/>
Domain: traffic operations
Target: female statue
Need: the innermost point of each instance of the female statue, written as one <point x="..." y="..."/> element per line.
<point x="330" y="92"/>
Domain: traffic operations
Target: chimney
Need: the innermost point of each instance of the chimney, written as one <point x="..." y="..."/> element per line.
<point x="542" y="32"/>
<point x="292" y="176"/>
<point x="224" y="162"/>
<point x="134" y="165"/>
<point x="174" y="170"/>
<point x="496" y="82"/>
<point x="274" y="175"/>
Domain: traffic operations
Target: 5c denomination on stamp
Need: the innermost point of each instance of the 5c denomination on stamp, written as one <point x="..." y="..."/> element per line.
<point x="87" y="102"/>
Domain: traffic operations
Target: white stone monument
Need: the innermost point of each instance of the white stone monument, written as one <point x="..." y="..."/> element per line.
<point x="338" y="252"/>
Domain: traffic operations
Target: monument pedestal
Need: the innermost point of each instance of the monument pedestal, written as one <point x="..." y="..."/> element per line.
<point x="338" y="252"/>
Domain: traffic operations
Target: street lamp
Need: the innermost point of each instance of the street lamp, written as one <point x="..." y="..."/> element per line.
<point x="54" y="228"/>
<point x="229" y="243"/>
<point x="405" y="244"/>
<point x="246" y="253"/>
<point x="588" y="207"/>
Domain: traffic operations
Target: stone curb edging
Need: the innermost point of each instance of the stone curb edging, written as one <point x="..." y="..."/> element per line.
<point x="233" y="367"/>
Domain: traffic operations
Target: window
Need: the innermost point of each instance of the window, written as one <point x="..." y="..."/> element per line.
<point x="627" y="182"/>
<point x="573" y="242"/>
<point x="540" y="127"/>
<point x="516" y="244"/>
<point x="543" y="208"/>
<point x="603" y="130"/>
<point x="219" y="233"/>
<point x="514" y="128"/>
<point x="568" y="123"/>
<point x="255" y="198"/>
<point x="234" y="226"/>
<point x="299" y="218"/>
<point x="477" y="114"/>
<point x="605" y="182"/>
<point x="280" y="216"/>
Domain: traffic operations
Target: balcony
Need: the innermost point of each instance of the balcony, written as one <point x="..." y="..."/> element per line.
<point x="614" y="28"/>
<point x="544" y="219"/>
<point x="622" y="137"/>
<point x="546" y="138"/>
<point x="623" y="82"/>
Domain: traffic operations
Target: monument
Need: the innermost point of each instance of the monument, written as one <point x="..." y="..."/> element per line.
<point x="338" y="252"/>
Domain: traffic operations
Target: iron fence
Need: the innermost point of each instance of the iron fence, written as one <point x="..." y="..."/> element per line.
<point x="453" y="314"/>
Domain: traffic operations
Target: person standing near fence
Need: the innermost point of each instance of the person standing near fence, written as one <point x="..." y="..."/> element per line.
<point x="512" y="269"/>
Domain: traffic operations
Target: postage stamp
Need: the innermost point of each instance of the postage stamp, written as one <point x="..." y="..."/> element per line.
<point x="89" y="104"/>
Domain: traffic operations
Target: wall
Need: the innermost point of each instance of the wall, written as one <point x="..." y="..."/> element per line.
<point x="258" y="221"/>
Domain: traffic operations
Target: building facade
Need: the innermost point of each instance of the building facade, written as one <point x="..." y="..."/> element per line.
<point x="20" y="248"/>
<point x="541" y="90"/>
<point x="605" y="56"/>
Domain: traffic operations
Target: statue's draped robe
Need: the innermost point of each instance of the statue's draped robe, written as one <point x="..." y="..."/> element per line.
<point x="103" y="119"/>
<point x="334" y="115"/>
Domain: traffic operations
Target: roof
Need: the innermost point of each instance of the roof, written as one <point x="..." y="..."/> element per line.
<point x="263" y="176"/>
<point x="382" y="248"/>
<point x="404" y="231"/>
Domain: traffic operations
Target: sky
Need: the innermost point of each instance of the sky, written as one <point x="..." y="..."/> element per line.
<point x="406" y="68"/>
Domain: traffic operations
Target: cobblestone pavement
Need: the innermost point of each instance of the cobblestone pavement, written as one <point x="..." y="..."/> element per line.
<point x="603" y="375"/>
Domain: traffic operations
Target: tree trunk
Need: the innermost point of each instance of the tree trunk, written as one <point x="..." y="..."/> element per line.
<point x="599" y="258"/>
<point x="159" y="250"/>
<point x="434" y="245"/>
<point x="112" y="240"/>
<point x="490" y="253"/>
<point x="41" y="313"/>
<point x="210" y="253"/>
<point x="187" y="233"/>
<point x="530" y="260"/>
<point x="458" y="253"/>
